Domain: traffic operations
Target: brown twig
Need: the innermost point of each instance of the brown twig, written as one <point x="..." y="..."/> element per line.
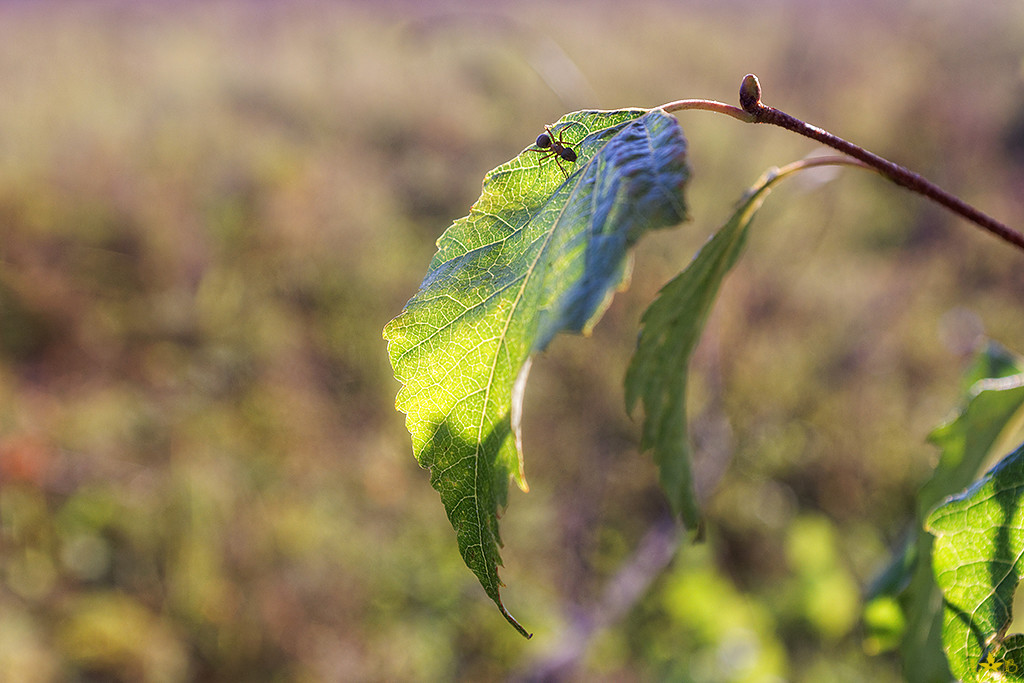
<point x="750" y="100"/>
<point x="621" y="594"/>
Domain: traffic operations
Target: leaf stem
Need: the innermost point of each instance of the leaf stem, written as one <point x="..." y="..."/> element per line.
<point x="708" y="105"/>
<point x="757" y="112"/>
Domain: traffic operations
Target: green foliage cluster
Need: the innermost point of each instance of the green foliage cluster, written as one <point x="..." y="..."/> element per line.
<point x="533" y="258"/>
<point x="207" y="213"/>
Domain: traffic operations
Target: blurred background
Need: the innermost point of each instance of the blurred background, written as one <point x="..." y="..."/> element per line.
<point x="208" y="211"/>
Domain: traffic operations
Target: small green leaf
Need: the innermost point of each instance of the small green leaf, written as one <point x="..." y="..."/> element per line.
<point x="671" y="328"/>
<point x="541" y="252"/>
<point x="979" y="541"/>
<point x="968" y="441"/>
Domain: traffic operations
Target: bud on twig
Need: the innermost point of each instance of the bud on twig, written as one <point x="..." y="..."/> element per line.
<point x="750" y="94"/>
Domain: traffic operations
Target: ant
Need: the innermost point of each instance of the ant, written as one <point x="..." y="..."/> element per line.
<point x="549" y="146"/>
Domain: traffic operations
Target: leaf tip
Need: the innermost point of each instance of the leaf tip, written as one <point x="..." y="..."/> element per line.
<point x="515" y="624"/>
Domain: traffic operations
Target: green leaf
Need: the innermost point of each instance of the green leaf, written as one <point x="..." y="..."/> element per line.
<point x="967" y="442"/>
<point x="540" y="252"/>
<point x="671" y="328"/>
<point x="992" y="362"/>
<point x="979" y="541"/>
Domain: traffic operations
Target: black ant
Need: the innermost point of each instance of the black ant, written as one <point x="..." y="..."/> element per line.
<point x="549" y="146"/>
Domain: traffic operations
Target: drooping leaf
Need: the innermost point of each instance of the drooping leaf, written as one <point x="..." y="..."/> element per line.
<point x="967" y="442"/>
<point x="671" y="328"/>
<point x="976" y="558"/>
<point x="541" y="252"/>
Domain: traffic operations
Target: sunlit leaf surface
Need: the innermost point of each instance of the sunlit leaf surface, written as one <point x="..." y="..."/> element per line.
<point x="541" y="252"/>
<point x="966" y="442"/>
<point x="979" y="540"/>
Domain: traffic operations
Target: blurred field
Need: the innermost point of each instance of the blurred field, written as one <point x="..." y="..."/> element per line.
<point x="208" y="211"/>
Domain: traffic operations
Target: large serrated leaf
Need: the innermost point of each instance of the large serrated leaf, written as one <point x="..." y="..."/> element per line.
<point x="541" y="252"/>
<point x="671" y="328"/>
<point x="979" y="541"/>
<point x="969" y="440"/>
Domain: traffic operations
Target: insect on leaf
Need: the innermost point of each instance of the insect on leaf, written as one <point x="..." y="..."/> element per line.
<point x="541" y="252"/>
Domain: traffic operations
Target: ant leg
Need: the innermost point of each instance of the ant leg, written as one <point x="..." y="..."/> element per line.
<point x="547" y="154"/>
<point x="566" y="126"/>
<point x="558" y="160"/>
<point x="544" y="152"/>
